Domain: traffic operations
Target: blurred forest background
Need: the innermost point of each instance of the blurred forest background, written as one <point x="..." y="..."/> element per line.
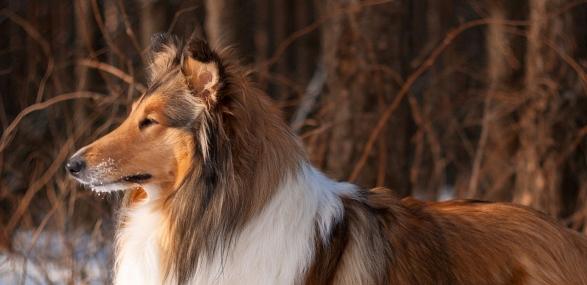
<point x="437" y="99"/>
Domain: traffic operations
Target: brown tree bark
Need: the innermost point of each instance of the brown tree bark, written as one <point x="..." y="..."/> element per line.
<point x="427" y="170"/>
<point x="83" y="40"/>
<point x="152" y="19"/>
<point x="493" y="170"/>
<point x="227" y="27"/>
<point x="216" y="17"/>
<point x="538" y="175"/>
<point x="363" y="51"/>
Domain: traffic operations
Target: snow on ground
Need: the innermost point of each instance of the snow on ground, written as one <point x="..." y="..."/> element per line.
<point x="444" y="193"/>
<point x="447" y="192"/>
<point x="57" y="258"/>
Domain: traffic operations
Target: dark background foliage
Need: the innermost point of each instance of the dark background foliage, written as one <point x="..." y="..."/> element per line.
<point x="433" y="98"/>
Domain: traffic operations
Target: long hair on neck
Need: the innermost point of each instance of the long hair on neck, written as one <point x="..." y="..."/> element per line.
<point x="242" y="152"/>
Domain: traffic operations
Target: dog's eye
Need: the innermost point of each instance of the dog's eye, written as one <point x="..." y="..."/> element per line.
<point x="146" y="122"/>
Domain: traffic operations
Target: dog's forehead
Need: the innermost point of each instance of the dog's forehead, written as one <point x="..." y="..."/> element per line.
<point x="171" y="85"/>
<point x="177" y="109"/>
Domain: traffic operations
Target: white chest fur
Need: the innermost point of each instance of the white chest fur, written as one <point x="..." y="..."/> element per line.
<point x="276" y="247"/>
<point x="137" y="255"/>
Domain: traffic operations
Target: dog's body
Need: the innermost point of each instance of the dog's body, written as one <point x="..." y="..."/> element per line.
<point x="221" y="192"/>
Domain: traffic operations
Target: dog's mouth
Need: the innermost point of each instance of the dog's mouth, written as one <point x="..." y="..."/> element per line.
<point x="137" y="178"/>
<point x="124" y="183"/>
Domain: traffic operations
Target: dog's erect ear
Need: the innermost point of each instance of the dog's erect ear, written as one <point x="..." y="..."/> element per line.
<point x="164" y="54"/>
<point x="202" y="69"/>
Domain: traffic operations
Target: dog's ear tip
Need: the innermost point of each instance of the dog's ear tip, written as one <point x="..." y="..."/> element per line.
<point x="200" y="50"/>
<point x="202" y="67"/>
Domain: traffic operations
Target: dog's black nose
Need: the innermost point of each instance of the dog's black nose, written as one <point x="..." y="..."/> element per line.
<point x="75" y="165"/>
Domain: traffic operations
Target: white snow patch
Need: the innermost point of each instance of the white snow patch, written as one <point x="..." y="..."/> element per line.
<point x="56" y="258"/>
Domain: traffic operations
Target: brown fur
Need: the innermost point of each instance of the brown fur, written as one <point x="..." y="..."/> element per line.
<point x="458" y="242"/>
<point x="219" y="145"/>
<point x="219" y="150"/>
<point x="241" y="143"/>
<point x="216" y="208"/>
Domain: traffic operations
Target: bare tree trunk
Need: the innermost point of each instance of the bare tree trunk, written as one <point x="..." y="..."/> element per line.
<point x="83" y="40"/>
<point x="538" y="176"/>
<point x="153" y="19"/>
<point x="261" y="40"/>
<point x="226" y="27"/>
<point x="493" y="169"/>
<point x="362" y="54"/>
<point x="427" y="169"/>
<point x="215" y="22"/>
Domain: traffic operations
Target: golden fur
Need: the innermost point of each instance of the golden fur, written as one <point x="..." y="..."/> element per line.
<point x="217" y="150"/>
<point x="384" y="240"/>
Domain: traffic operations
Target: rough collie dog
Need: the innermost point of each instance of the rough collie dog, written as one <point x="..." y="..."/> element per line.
<point x="220" y="191"/>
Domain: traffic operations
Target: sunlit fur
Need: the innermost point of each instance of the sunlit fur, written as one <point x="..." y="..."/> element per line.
<point x="219" y="191"/>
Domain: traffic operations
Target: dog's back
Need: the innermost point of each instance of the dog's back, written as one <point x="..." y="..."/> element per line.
<point x="496" y="243"/>
<point x="456" y="242"/>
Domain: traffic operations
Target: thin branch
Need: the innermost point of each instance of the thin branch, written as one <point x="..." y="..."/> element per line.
<point x="309" y="98"/>
<point x="573" y="146"/>
<point x="45" y="47"/>
<point x="113" y="71"/>
<point x="428" y="63"/>
<point x="285" y="44"/>
<point x="102" y="27"/>
<point x="8" y="133"/>
<point x="37" y="185"/>
<point x="128" y="27"/>
<point x="28" y="28"/>
<point x="178" y="14"/>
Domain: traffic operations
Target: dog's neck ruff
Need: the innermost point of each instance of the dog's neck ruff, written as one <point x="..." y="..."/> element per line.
<point x="275" y="247"/>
